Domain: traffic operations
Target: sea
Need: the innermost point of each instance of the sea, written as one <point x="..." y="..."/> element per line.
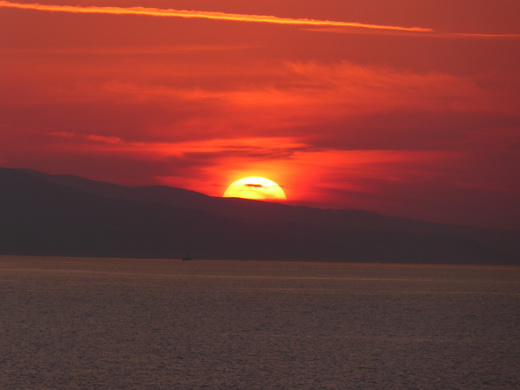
<point x="86" y="323"/>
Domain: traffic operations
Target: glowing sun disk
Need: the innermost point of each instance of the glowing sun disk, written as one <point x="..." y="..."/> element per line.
<point x="255" y="188"/>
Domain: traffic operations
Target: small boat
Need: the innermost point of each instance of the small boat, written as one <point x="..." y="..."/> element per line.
<point x="186" y="258"/>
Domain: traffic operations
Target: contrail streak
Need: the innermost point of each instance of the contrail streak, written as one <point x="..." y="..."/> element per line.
<point x="173" y="13"/>
<point x="468" y="35"/>
<point x="424" y="34"/>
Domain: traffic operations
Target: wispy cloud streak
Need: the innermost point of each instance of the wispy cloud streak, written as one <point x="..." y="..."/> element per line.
<point x="189" y="14"/>
<point x="468" y="35"/>
<point x="426" y="34"/>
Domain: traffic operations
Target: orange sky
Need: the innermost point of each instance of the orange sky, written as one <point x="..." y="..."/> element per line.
<point x="405" y="107"/>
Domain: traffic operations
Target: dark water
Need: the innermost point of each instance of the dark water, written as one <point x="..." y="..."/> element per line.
<point x="137" y="324"/>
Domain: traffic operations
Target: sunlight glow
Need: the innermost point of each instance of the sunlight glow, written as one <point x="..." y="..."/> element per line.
<point x="255" y="188"/>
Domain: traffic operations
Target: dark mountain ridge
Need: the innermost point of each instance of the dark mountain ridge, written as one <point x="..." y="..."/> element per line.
<point x="45" y="214"/>
<point x="251" y="211"/>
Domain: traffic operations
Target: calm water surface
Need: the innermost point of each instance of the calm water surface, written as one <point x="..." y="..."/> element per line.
<point x="163" y="324"/>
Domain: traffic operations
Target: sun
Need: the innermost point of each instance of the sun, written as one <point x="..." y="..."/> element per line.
<point x="255" y="188"/>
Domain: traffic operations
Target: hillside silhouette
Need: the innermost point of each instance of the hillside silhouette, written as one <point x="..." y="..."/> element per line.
<point x="63" y="215"/>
